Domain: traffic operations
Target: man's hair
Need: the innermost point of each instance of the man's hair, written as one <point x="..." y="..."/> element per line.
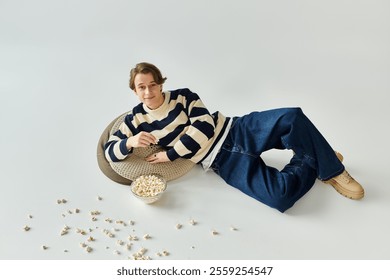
<point x="146" y="68"/>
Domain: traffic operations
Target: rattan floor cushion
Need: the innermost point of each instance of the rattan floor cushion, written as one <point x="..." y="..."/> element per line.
<point x="103" y="163"/>
<point x="135" y="165"/>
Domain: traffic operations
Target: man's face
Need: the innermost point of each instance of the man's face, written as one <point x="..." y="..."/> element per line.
<point x="148" y="91"/>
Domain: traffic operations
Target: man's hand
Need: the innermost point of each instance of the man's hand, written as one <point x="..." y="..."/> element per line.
<point x="141" y="140"/>
<point x="158" y="157"/>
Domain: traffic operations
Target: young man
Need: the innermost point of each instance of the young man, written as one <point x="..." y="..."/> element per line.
<point x="179" y="122"/>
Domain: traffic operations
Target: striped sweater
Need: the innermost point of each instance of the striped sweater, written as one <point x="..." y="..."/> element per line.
<point x="182" y="125"/>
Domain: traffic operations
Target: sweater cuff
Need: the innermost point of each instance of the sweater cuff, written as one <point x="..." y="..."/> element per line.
<point x="123" y="147"/>
<point x="172" y="154"/>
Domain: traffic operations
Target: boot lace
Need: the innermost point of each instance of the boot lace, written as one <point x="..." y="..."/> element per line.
<point x="346" y="177"/>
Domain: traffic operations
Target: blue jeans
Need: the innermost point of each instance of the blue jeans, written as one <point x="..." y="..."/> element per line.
<point x="240" y="165"/>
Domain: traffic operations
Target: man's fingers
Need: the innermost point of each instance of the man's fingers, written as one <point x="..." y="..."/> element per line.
<point x="152" y="160"/>
<point x="150" y="138"/>
<point x="157" y="157"/>
<point x="146" y="139"/>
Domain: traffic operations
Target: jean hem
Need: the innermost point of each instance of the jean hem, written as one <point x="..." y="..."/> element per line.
<point x="332" y="176"/>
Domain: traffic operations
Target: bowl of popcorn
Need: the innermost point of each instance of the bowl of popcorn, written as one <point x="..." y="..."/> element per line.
<point x="148" y="188"/>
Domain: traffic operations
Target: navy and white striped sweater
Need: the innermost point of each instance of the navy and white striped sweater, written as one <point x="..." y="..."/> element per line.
<point x="182" y="125"/>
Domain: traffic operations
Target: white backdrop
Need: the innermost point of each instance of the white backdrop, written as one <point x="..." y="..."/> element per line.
<point x="64" y="68"/>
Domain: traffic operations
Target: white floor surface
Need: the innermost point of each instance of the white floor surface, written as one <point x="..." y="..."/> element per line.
<point x="64" y="72"/>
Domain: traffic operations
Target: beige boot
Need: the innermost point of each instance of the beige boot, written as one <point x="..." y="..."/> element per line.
<point x="347" y="186"/>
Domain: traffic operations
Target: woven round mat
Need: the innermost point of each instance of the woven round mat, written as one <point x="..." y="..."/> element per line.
<point x="135" y="164"/>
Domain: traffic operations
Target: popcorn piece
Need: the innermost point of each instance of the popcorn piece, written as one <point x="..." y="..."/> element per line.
<point x="108" y="233"/>
<point x="133" y="238"/>
<point x="165" y="253"/>
<point x="65" y="230"/>
<point x="59" y="201"/>
<point x="81" y="231"/>
<point x="147" y="236"/>
<point x="90" y="239"/>
<point x="140" y="255"/>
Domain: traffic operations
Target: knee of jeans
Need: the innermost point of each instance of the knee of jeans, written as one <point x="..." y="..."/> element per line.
<point x="281" y="198"/>
<point x="280" y="203"/>
<point x="293" y="112"/>
<point x="291" y="116"/>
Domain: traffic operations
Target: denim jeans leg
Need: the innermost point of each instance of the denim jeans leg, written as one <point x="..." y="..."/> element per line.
<point x="286" y="128"/>
<point x="240" y="165"/>
<point x="277" y="189"/>
<point x="307" y="142"/>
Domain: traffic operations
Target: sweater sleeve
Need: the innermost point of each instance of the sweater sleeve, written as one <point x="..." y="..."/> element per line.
<point x="115" y="148"/>
<point x="198" y="133"/>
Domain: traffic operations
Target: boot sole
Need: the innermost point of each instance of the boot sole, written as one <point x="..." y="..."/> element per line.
<point x="345" y="192"/>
